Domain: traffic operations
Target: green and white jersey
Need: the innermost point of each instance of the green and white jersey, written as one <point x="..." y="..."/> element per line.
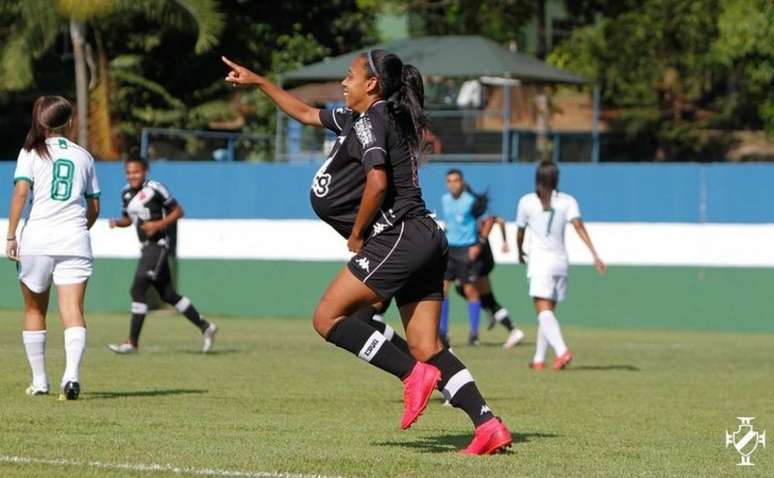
<point x="56" y="223"/>
<point x="547" y="252"/>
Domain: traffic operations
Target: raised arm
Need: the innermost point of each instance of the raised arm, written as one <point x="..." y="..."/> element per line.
<point x="600" y="266"/>
<point x="292" y="106"/>
<point x="20" y="192"/>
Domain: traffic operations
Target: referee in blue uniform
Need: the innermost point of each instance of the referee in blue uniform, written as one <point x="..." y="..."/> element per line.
<point x="465" y="265"/>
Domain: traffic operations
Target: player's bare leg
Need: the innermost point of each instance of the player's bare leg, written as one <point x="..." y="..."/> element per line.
<point x="335" y="320"/>
<point x="420" y="319"/>
<point x="70" y="298"/>
<point x="549" y="333"/>
<point x="34" y="338"/>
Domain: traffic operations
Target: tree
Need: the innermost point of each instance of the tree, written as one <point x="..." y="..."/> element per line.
<point x="40" y="21"/>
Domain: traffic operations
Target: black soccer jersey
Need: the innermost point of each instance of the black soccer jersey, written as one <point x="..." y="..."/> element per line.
<point x="149" y="203"/>
<point x="365" y="141"/>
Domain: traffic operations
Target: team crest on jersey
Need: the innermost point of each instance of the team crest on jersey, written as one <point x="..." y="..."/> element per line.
<point x="365" y="131"/>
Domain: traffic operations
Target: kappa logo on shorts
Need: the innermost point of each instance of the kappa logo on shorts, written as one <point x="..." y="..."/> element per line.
<point x="364" y="264"/>
<point x="485" y="409"/>
<point x="365" y="132"/>
<point x="379" y="228"/>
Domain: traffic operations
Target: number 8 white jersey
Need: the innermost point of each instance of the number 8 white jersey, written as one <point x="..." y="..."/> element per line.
<point x="547" y="252"/>
<point x="56" y="224"/>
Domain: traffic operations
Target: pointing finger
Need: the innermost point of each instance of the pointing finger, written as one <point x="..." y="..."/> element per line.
<point x="229" y="62"/>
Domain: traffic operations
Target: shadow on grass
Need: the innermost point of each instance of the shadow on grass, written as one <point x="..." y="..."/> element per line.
<point x="603" y="368"/>
<point x="451" y="443"/>
<point x="213" y="352"/>
<point x="144" y="393"/>
<point x="497" y="345"/>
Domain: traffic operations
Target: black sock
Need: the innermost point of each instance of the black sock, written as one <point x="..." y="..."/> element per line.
<point x="185" y="307"/>
<point x="354" y="335"/>
<point x="366" y="315"/>
<point x="135" y="327"/>
<point x="489" y="303"/>
<point x="458" y="387"/>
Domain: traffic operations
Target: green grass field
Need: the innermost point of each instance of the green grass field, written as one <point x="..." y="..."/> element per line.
<point x="274" y="399"/>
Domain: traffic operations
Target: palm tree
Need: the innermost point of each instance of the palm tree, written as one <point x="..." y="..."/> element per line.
<point x="41" y="21"/>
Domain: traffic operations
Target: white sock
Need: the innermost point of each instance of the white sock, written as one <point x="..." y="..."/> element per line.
<point x="35" y="346"/>
<point x="552" y="332"/>
<point x="75" y="344"/>
<point x="541" y="346"/>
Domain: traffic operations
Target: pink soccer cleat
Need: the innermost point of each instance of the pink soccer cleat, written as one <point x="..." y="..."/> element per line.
<point x="417" y="388"/>
<point x="491" y="437"/>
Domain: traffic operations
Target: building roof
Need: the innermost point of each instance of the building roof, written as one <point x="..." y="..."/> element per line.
<point x="448" y="56"/>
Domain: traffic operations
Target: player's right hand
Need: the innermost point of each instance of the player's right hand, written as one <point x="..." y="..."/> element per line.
<point x="112" y="223"/>
<point x="239" y="75"/>
<point x="12" y="250"/>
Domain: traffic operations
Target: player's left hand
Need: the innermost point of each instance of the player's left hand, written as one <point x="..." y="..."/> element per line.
<point x="151" y="227"/>
<point x="355" y="244"/>
<point x="600" y="266"/>
<point x="505" y="247"/>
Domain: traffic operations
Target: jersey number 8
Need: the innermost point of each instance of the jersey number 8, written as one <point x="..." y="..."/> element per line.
<point x="62" y="183"/>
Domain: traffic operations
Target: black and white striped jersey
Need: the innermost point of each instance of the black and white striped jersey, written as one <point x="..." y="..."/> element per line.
<point x="149" y="203"/>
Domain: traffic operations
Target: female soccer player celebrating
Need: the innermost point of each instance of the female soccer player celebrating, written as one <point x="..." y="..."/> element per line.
<point x="54" y="243"/>
<point x="368" y="191"/>
<point x="546" y="212"/>
<point x="150" y="206"/>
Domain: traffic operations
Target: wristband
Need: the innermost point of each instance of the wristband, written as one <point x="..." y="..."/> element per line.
<point x="11" y="239"/>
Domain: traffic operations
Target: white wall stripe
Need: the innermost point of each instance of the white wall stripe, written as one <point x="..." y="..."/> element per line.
<point x="153" y="468"/>
<point x="400" y="236"/>
<point x="646" y="244"/>
<point x="455" y="383"/>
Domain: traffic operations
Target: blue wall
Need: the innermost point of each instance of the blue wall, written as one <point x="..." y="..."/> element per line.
<point x="606" y="192"/>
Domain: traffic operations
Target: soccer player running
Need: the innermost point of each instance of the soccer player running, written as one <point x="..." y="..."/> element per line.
<point x="368" y="191"/>
<point x="150" y="206"/>
<point x="55" y="244"/>
<point x="545" y="213"/>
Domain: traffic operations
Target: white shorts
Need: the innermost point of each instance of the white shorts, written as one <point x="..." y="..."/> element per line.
<point x="36" y="272"/>
<point x="551" y="287"/>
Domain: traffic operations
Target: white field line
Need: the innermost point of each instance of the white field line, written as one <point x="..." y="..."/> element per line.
<point x="153" y="468"/>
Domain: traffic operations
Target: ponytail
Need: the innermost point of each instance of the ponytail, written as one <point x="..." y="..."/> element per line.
<point x="480" y="202"/>
<point x="546" y="182"/>
<point x="403" y="89"/>
<point x="49" y="114"/>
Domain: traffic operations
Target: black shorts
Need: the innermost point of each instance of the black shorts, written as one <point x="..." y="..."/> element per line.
<point x="487" y="259"/>
<point x="153" y="265"/>
<point x="406" y="261"/>
<point x="461" y="268"/>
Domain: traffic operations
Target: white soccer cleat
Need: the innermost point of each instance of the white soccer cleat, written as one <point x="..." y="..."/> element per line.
<point x="513" y="338"/>
<point x="32" y="391"/>
<point x="123" y="348"/>
<point x="209" y="337"/>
